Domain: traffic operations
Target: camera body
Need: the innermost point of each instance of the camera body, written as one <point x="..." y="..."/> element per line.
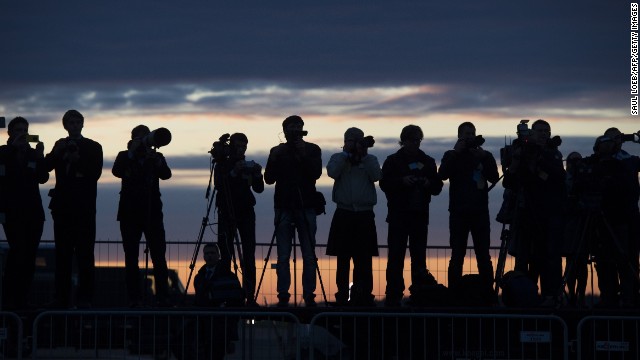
<point x="221" y="149"/>
<point x="523" y="131"/>
<point x="475" y="143"/>
<point x="631" y="137"/>
<point x="367" y="141"/>
<point x="33" y="138"/>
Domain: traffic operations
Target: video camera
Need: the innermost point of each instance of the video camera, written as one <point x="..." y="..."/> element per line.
<point x="635" y="137"/>
<point x="221" y="149"/>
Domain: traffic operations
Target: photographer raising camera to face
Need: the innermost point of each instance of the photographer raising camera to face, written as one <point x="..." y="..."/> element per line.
<point x="353" y="229"/>
<point x="536" y="174"/>
<point x="140" y="211"/>
<point x="294" y="167"/>
<point x="468" y="168"/>
<point x="21" y="214"/>
<point x="235" y="178"/>
<point x="78" y="166"/>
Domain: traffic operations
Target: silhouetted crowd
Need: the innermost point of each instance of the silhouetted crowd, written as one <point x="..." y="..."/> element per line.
<point x="586" y="211"/>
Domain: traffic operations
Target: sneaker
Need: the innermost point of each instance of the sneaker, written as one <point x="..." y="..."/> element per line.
<point x="282" y="303"/>
<point x="310" y="303"/>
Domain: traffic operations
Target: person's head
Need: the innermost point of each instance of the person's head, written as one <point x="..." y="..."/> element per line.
<point x="19" y="126"/>
<point x="541" y="132"/>
<point x="572" y="160"/>
<point x="616" y="136"/>
<point x="466" y="131"/>
<point x="211" y="254"/>
<point x="410" y="138"/>
<point x="139" y="132"/>
<point x="73" y="122"/>
<point x="292" y="127"/>
<point x="238" y="143"/>
<point x="352" y="136"/>
<point x="604" y="146"/>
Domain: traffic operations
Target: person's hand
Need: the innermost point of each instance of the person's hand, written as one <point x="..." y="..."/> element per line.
<point x="40" y="149"/>
<point x="409" y="180"/>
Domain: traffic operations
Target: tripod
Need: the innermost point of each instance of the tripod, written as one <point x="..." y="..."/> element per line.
<point x="266" y="259"/>
<point x="594" y="222"/>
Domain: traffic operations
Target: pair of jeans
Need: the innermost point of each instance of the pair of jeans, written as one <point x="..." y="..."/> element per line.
<point x="286" y="221"/>
<point x="411" y="227"/>
<point x="154" y="234"/>
<point x="460" y="225"/>
<point x="74" y="234"/>
<point x="245" y="223"/>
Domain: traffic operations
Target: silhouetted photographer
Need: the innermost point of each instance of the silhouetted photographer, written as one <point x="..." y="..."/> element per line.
<point x="22" y="169"/>
<point x="535" y="175"/>
<point x="294" y="167"/>
<point x="141" y="168"/>
<point x="78" y="166"/>
<point x="469" y="169"/>
<point x="236" y="179"/>
<point x="602" y="190"/>
<point x="409" y="179"/>
<point x="632" y="166"/>
<point x="353" y="229"/>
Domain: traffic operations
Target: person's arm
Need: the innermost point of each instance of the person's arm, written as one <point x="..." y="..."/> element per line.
<point x="435" y="184"/>
<point x="391" y="179"/>
<point x="337" y="164"/>
<point x="490" y="168"/>
<point x="257" y="183"/>
<point x="447" y="164"/>
<point x="372" y="167"/>
<point x="162" y="169"/>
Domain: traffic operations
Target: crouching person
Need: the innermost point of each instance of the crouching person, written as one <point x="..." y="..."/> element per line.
<point x="216" y="286"/>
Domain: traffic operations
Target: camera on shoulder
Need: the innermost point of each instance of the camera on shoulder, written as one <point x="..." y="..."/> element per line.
<point x="221" y="149"/>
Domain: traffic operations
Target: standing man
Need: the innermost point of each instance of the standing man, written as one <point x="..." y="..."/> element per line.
<point x="78" y="165"/>
<point x="537" y="175"/>
<point x="353" y="228"/>
<point x="235" y="179"/>
<point x="632" y="166"/>
<point x="409" y="179"/>
<point x="21" y="214"/>
<point x="294" y="167"/>
<point x="140" y="211"/>
<point x="468" y="168"/>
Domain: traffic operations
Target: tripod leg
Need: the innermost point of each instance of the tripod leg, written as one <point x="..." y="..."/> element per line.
<point x="504" y="237"/>
<point x="266" y="262"/>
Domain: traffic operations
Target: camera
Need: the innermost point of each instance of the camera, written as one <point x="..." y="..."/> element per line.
<point x="523" y="131"/>
<point x="2" y="122"/>
<point x="367" y="141"/>
<point x="220" y="150"/>
<point x="631" y="137"/>
<point x="297" y="133"/>
<point x="157" y="138"/>
<point x="475" y="143"/>
<point x="33" y="138"/>
<point x="554" y="142"/>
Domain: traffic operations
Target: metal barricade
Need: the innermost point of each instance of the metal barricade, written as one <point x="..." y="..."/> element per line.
<point x="436" y="336"/>
<point x="11" y="330"/>
<point x="166" y="334"/>
<point x="609" y="337"/>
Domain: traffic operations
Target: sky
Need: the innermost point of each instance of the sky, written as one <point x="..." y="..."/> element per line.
<point x="205" y="68"/>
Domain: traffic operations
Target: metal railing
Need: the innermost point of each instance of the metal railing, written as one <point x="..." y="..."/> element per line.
<point x="11" y="335"/>
<point x="609" y="337"/>
<point x="280" y="335"/>
<point x="157" y="334"/>
<point x="438" y="336"/>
